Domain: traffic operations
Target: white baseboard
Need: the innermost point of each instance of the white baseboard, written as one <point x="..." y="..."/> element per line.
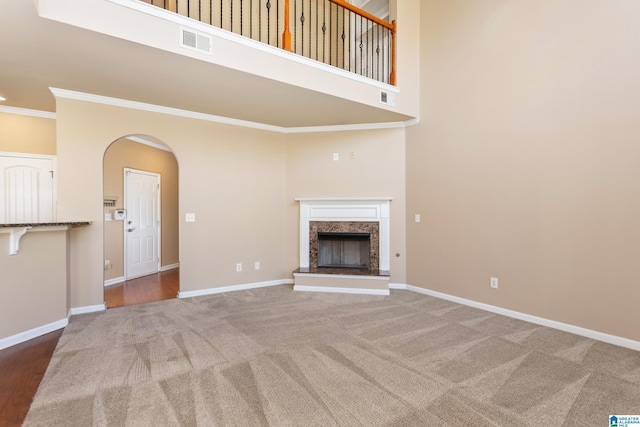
<point x="87" y="309"/>
<point x="170" y="267"/>
<point x="340" y="290"/>
<point x="32" y="333"/>
<point x="243" y="287"/>
<point x="577" y="330"/>
<point x="114" y="281"/>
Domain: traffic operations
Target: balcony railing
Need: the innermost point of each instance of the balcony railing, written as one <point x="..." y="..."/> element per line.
<point x="333" y="32"/>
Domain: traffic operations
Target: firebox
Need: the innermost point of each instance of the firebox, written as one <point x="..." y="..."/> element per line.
<point x="344" y="250"/>
<point x="344" y="245"/>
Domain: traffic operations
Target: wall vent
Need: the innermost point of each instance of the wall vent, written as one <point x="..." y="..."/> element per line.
<point x="387" y="98"/>
<point x="194" y="40"/>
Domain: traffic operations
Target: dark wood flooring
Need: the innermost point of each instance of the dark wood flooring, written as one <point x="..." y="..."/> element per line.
<point x="22" y="366"/>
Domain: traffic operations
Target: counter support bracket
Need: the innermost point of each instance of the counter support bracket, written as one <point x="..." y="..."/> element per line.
<point x="14" y="238"/>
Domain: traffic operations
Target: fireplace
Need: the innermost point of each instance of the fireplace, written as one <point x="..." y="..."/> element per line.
<point x="344" y="245"/>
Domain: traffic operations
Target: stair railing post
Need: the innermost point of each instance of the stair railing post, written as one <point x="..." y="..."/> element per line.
<point x="392" y="75"/>
<point x="286" y="33"/>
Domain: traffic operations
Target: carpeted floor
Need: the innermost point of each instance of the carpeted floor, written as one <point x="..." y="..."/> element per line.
<point x="276" y="357"/>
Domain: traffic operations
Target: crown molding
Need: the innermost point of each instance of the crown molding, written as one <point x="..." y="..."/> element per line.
<point x="27" y="112"/>
<point x="116" y="102"/>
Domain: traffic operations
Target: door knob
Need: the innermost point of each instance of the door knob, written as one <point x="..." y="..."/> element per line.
<point x="130" y="229"/>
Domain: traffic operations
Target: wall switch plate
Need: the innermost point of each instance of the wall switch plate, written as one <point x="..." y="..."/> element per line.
<point x="494" y="282"/>
<point x="239" y="267"/>
<point x="190" y="217"/>
<point x="417" y="217"/>
<point x="336" y="156"/>
<point x="107" y="217"/>
<point x="256" y="265"/>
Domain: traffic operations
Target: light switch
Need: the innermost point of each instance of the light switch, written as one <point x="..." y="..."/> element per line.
<point x="190" y="217"/>
<point x="107" y="217"/>
<point x="417" y="217"/>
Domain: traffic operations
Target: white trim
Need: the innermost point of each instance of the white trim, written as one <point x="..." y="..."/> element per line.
<point x="143" y="141"/>
<point x="343" y="276"/>
<point x="114" y="281"/>
<point x="123" y="103"/>
<point x="28" y="155"/>
<point x="304" y="288"/>
<point x="398" y="286"/>
<point x="27" y="112"/>
<point x="87" y="309"/>
<point x="577" y="330"/>
<point x="361" y="126"/>
<point x="343" y="199"/>
<point x="232" y="288"/>
<point x="170" y="267"/>
<point x="243" y="40"/>
<point x="32" y="333"/>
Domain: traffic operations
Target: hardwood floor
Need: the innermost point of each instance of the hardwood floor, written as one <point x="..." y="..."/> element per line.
<point x="22" y="366"/>
<point x="154" y="287"/>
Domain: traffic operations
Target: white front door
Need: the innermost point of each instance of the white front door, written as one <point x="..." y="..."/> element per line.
<point x="26" y="189"/>
<point x="142" y="223"/>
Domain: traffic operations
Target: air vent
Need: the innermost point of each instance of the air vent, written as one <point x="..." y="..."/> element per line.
<point x="195" y="40"/>
<point x="387" y="98"/>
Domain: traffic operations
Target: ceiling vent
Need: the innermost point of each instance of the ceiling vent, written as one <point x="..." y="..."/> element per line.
<point x="195" y="40"/>
<point x="387" y="98"/>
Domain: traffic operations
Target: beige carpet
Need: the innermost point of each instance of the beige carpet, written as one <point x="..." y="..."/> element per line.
<point x="276" y="357"/>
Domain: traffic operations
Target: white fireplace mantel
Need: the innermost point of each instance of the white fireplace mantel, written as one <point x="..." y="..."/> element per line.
<point x="364" y="209"/>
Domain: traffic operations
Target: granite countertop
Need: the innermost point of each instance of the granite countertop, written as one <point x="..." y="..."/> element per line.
<point x="47" y="224"/>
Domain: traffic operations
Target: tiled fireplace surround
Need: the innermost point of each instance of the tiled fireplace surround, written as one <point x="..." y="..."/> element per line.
<point x="352" y="215"/>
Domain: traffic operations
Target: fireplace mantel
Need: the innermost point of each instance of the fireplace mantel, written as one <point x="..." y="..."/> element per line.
<point x="365" y="209"/>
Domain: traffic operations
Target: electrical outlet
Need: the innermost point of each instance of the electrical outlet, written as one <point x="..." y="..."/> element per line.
<point x="256" y="266"/>
<point x="107" y="264"/>
<point x="239" y="267"/>
<point x="494" y="282"/>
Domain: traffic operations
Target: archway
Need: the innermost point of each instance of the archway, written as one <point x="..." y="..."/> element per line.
<point x="125" y="283"/>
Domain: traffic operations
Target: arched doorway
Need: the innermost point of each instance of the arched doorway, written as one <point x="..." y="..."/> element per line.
<point x="140" y="188"/>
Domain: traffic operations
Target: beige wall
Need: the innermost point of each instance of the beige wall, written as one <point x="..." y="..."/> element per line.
<point x="27" y="134"/>
<point x="34" y="282"/>
<point x="375" y="169"/>
<point x="125" y="153"/>
<point x="525" y="163"/>
<point x="232" y="178"/>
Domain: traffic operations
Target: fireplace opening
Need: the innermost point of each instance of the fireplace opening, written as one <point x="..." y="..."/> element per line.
<point x="344" y="250"/>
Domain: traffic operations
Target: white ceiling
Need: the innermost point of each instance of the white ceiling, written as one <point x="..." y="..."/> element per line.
<point x="36" y="54"/>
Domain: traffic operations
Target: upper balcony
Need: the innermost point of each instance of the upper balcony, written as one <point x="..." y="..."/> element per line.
<point x="334" y="32"/>
<point x="242" y="67"/>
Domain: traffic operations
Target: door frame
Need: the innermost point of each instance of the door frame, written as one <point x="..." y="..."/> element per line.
<point x="125" y="172"/>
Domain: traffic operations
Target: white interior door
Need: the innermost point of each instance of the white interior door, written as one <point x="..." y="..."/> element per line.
<point x="142" y="223"/>
<point x="26" y="189"/>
